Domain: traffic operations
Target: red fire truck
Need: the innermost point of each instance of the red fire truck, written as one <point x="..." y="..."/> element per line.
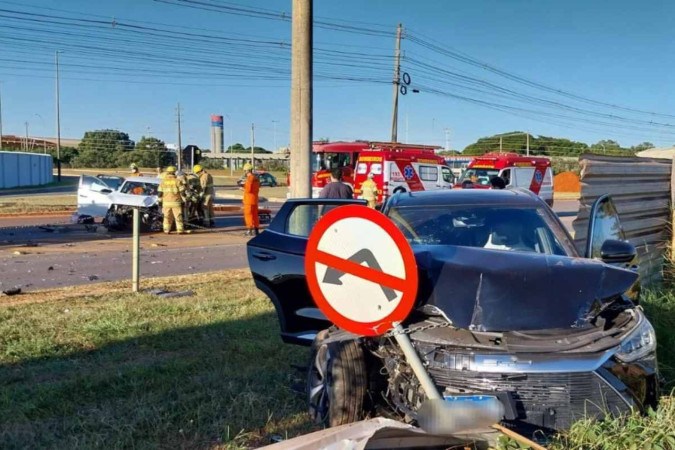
<point x="344" y="155"/>
<point x="530" y="172"/>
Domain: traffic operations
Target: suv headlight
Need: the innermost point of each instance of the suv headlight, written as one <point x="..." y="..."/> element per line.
<point x="639" y="343"/>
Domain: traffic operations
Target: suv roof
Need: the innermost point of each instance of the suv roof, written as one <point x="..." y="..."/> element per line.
<point x="519" y="197"/>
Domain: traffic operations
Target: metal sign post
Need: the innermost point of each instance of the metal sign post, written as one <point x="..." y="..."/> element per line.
<point x="389" y="280"/>
<point x="135" y="245"/>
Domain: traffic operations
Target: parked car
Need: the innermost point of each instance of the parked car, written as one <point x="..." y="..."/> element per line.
<point x="506" y="307"/>
<point x="266" y="179"/>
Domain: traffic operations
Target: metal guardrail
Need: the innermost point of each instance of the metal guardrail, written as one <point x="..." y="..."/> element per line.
<point x="642" y="193"/>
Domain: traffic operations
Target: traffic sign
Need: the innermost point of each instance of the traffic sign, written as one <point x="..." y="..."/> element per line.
<point x="360" y="270"/>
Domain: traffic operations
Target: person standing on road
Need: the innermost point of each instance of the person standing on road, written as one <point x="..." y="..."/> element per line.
<point x="134" y="170"/>
<point x="208" y="194"/>
<point x="250" y="200"/>
<point x="369" y="191"/>
<point x="170" y="194"/>
<point x="336" y="188"/>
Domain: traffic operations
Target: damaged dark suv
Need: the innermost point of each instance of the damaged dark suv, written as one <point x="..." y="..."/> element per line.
<point x="506" y="307"/>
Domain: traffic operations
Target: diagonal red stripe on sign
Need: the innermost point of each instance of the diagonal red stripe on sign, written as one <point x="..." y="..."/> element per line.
<point x="352" y="268"/>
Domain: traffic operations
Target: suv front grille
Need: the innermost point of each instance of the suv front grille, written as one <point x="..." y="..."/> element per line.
<point x="547" y="400"/>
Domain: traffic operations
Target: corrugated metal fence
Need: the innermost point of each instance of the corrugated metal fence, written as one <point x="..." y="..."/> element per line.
<point x="641" y="191"/>
<point x="24" y="169"/>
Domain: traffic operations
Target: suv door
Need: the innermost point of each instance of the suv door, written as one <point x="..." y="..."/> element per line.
<point x="276" y="258"/>
<point x="92" y="197"/>
<point x="603" y="224"/>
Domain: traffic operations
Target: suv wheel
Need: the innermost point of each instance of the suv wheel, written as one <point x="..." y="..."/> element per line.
<point x="336" y="381"/>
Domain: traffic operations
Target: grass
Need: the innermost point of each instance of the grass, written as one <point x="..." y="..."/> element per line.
<point x="96" y="366"/>
<point x="37" y="204"/>
<point x="83" y="368"/>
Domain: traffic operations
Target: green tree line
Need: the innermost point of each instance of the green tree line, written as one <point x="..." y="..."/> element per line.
<point x="516" y="141"/>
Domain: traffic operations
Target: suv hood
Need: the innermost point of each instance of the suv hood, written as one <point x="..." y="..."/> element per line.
<point x="491" y="290"/>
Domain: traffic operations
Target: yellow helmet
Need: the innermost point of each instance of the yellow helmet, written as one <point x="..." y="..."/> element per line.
<point x="197" y="168"/>
<point x="171" y="169"/>
<point x="248" y="167"/>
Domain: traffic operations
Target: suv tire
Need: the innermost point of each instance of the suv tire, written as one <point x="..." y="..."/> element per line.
<point x="336" y="381"/>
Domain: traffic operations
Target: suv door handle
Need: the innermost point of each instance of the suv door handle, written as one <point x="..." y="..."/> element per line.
<point x="264" y="256"/>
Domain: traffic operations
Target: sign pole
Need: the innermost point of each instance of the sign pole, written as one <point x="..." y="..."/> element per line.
<point x="135" y="272"/>
<point x="415" y="362"/>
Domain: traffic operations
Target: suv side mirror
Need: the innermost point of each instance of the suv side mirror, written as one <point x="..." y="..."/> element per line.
<point x="616" y="251"/>
<point x="105" y="191"/>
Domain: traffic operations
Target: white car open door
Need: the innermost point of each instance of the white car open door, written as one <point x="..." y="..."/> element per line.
<point x="93" y="197"/>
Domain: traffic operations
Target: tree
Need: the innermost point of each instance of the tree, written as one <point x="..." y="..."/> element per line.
<point x="149" y="152"/>
<point x="643" y="146"/>
<point x="516" y="141"/>
<point x="238" y="148"/>
<point x="102" y="148"/>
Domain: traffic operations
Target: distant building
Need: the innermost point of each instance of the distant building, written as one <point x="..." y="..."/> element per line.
<point x="216" y="134"/>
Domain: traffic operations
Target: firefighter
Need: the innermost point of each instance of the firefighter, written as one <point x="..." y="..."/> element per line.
<point x="369" y="191"/>
<point x="170" y="194"/>
<point x="134" y="170"/>
<point x="251" y="187"/>
<point x="207" y="195"/>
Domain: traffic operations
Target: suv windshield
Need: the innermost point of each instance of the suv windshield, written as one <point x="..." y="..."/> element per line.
<point x="503" y="227"/>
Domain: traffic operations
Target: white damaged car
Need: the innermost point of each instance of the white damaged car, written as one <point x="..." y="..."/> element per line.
<point x="112" y="199"/>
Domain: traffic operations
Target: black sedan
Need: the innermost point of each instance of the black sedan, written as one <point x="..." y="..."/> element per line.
<point x="506" y="307"/>
<point x="266" y="179"/>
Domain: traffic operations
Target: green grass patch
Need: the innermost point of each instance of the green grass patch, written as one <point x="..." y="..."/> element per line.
<point x="138" y="371"/>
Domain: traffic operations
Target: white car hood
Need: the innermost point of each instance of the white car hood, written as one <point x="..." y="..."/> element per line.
<point x="142" y="201"/>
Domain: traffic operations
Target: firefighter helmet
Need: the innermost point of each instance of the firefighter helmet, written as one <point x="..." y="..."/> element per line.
<point x="248" y="167"/>
<point x="197" y="168"/>
<point x="171" y="169"/>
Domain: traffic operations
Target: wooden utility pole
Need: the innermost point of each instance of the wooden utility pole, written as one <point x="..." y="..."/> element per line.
<point x="301" y="99"/>
<point x="397" y="83"/>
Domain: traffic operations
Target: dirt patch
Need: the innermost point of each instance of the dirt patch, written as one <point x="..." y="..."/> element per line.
<point x="567" y="182"/>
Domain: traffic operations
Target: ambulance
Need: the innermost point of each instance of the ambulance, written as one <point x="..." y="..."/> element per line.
<point x="327" y="156"/>
<point x="402" y="170"/>
<point x="530" y="172"/>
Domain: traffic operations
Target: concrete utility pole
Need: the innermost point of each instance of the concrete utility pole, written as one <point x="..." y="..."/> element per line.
<point x="397" y="82"/>
<point x="252" y="145"/>
<point x="274" y="123"/>
<point x="447" y="139"/>
<point x="180" y="145"/>
<point x="58" y="119"/>
<point x="301" y="99"/>
<point x="500" y="144"/>
<point x="528" y="143"/>
<point x="26" y="123"/>
<point x="0" y="118"/>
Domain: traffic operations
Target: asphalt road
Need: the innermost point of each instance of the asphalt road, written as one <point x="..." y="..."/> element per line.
<point x="35" y="256"/>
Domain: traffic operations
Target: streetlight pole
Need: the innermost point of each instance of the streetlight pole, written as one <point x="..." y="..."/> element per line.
<point x="274" y="122"/>
<point x="44" y="141"/>
<point x="26" y="123"/>
<point x="58" y="119"/>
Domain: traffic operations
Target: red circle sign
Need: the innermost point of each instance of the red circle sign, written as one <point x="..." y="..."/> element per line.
<point x="360" y="270"/>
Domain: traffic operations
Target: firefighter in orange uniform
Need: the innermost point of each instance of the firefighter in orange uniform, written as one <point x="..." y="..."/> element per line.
<point x="251" y="188"/>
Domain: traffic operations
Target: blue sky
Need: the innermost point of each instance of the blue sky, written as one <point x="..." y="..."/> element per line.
<point x="613" y="52"/>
